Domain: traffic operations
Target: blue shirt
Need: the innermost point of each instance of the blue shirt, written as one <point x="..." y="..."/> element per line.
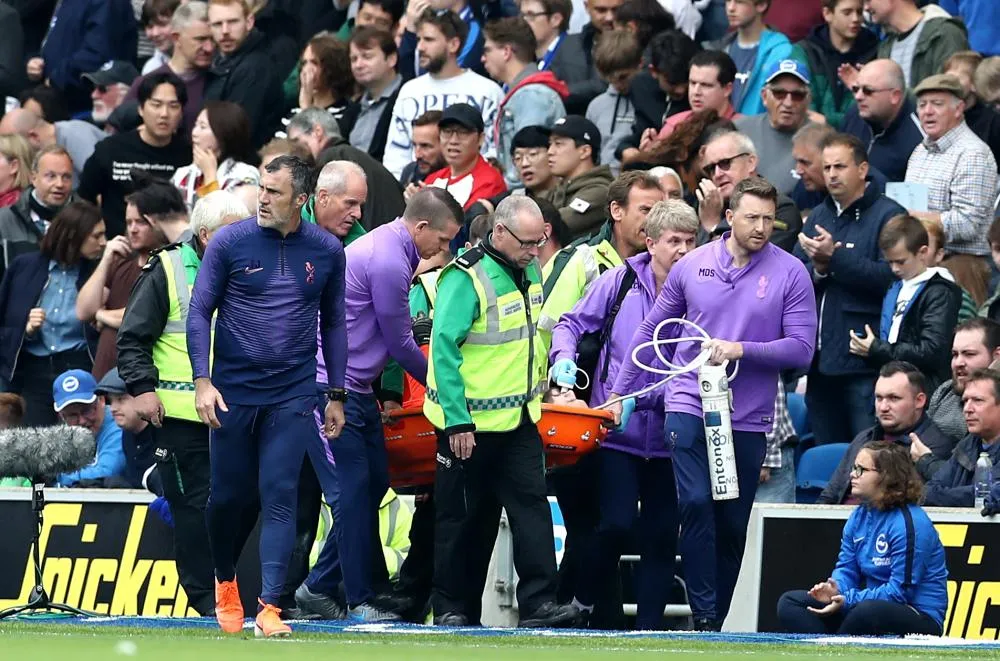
<point x="744" y="58"/>
<point x="268" y="290"/>
<point x="110" y="458"/>
<point x="62" y="331"/>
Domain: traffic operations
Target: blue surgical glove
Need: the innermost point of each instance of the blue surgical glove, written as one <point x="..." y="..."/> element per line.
<point x="628" y="407"/>
<point x="162" y="510"/>
<point x="564" y="373"/>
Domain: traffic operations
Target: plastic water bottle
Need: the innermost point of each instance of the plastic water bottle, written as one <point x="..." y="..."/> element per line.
<point x="983" y="479"/>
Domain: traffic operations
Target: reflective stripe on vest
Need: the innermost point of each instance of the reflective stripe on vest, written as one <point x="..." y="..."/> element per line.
<point x="503" y="360"/>
<point x="176" y="387"/>
<point x="429" y="282"/>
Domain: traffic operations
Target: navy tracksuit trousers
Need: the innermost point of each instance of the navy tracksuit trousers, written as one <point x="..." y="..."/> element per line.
<point x="713" y="533"/>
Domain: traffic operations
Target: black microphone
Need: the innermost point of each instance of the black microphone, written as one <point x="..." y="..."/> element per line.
<point x="45" y="452"/>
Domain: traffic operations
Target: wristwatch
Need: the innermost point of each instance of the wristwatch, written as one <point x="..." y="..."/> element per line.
<point x="336" y="395"/>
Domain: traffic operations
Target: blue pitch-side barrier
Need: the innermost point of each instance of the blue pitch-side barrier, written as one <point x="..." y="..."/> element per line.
<point x="347" y="627"/>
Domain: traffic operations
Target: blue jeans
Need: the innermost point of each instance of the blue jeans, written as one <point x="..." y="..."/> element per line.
<point x="262" y="447"/>
<point x="363" y="472"/>
<point x="713" y="533"/>
<point x="781" y="487"/>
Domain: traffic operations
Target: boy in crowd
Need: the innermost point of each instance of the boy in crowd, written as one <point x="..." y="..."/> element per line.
<point x="920" y="310"/>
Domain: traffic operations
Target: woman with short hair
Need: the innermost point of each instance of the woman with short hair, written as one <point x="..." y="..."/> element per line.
<point x="890" y="577"/>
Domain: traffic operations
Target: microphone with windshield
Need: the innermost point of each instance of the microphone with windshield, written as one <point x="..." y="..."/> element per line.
<point x="41" y="454"/>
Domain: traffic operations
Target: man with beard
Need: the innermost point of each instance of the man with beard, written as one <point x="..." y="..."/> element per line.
<point x="111" y="85"/>
<point x="102" y="299"/>
<point x="757" y="303"/>
<point x="427" y="155"/>
<point x="440" y="39"/>
<point x="976" y="346"/>
<point x="260" y="395"/>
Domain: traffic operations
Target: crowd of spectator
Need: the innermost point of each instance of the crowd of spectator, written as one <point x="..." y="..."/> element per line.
<point x="877" y="122"/>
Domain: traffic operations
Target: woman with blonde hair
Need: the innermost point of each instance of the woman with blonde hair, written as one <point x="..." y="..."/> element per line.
<point x="890" y="577"/>
<point x="15" y="168"/>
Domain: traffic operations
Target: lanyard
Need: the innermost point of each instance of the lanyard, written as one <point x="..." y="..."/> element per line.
<point x="550" y="53"/>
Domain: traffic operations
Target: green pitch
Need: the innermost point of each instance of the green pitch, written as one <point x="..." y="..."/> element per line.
<point x="21" y="640"/>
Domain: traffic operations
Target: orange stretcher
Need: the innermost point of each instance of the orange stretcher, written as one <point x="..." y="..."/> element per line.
<point x="568" y="433"/>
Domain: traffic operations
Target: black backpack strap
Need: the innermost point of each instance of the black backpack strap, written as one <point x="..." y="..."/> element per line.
<point x="911" y="546"/>
<point x="627" y="281"/>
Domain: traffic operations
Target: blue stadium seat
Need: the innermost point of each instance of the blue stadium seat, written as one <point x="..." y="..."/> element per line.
<point x="815" y="469"/>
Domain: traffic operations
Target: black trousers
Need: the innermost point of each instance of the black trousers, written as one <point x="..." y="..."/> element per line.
<point x="580" y="503"/>
<point x="33" y="378"/>
<point x="506" y="469"/>
<point x="183" y="466"/>
<point x="417" y="571"/>
<point x="869" y="618"/>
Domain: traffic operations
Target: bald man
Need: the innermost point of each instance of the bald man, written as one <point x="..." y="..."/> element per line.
<point x="76" y="137"/>
<point x="884" y="118"/>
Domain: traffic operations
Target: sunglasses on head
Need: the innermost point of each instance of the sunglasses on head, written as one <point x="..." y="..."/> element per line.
<point x="781" y="93"/>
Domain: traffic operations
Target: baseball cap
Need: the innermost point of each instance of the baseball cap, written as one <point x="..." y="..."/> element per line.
<point x="112" y="72"/>
<point x="789" y="68"/>
<point x="73" y="387"/>
<point x="111" y="384"/>
<point x="530" y="137"/>
<point x="582" y="130"/>
<point x="463" y="114"/>
<point x="940" y="82"/>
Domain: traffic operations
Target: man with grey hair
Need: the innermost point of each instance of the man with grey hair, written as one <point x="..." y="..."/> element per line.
<point x="336" y="206"/>
<point x="731" y="157"/>
<point x="884" y="117"/>
<point x="633" y="463"/>
<point x="319" y="132"/>
<point x="153" y="363"/>
<point x="956" y="166"/>
<point x="190" y="58"/>
<point x="485" y="378"/>
<point x="259" y="396"/>
<point x="380" y="268"/>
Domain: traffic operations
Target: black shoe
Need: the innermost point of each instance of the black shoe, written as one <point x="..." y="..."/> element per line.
<point x="318" y="605"/>
<point x="397" y="602"/>
<point x="551" y="615"/>
<point x="451" y="619"/>
<point x="706" y="624"/>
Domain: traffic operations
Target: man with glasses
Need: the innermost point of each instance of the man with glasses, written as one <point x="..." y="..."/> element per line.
<point x="786" y="96"/>
<point x="485" y="379"/>
<point x="74" y="394"/>
<point x="557" y="50"/>
<point x="884" y="118"/>
<point x="900" y="414"/>
<point x="729" y="158"/>
<point x="839" y="246"/>
<point x="467" y="175"/>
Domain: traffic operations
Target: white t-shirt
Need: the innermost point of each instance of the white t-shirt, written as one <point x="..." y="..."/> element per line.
<point x="424" y="93"/>
<point x="906" y="293"/>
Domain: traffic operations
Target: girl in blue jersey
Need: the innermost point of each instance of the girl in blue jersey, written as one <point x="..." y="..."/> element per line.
<point x="890" y="578"/>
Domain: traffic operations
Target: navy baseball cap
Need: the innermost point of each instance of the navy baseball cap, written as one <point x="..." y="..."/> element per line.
<point x="111" y="384"/>
<point x="788" y="68"/>
<point x="113" y="72"/>
<point x="581" y="130"/>
<point x="73" y="387"/>
<point x="463" y="114"/>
